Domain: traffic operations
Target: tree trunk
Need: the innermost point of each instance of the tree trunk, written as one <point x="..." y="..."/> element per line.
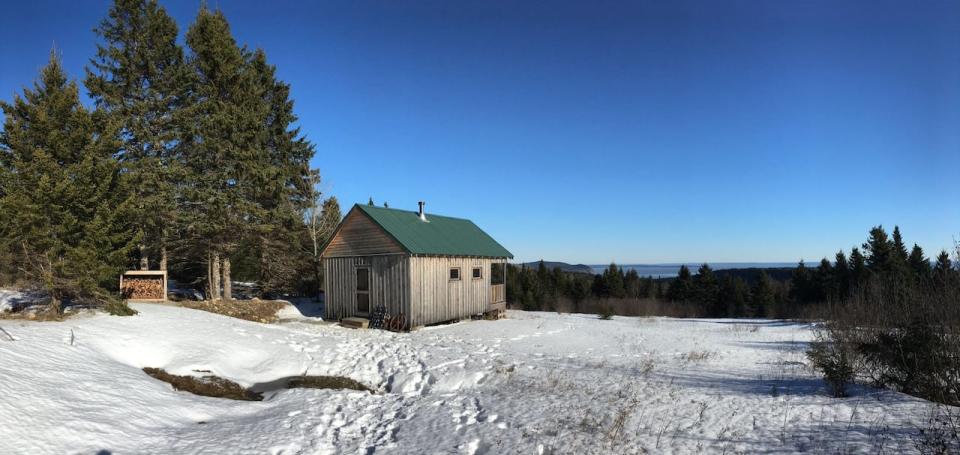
<point x="227" y="284"/>
<point x="144" y="259"/>
<point x="163" y="253"/>
<point x="213" y="276"/>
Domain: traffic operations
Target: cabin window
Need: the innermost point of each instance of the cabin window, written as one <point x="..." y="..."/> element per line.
<point x="455" y="274"/>
<point x="477" y="273"/>
<point x="497" y="273"/>
<point x="363" y="290"/>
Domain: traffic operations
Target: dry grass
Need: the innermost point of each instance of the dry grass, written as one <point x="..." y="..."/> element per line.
<point x="208" y="386"/>
<point x="251" y="310"/>
<point x="696" y="356"/>
<point x="327" y="382"/>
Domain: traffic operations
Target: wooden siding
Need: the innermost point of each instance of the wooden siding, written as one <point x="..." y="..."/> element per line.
<point x="388" y="284"/>
<point x="358" y="235"/>
<point x="498" y="293"/>
<point x="435" y="298"/>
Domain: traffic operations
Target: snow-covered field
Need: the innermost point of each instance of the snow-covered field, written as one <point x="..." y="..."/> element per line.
<point x="533" y="383"/>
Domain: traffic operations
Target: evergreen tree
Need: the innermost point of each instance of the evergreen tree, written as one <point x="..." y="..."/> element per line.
<point x="705" y="290"/>
<point x="762" y="296"/>
<point x="633" y="284"/>
<point x="63" y="206"/>
<point x="281" y="182"/>
<point x="826" y="288"/>
<point x="139" y="78"/>
<point x="681" y="287"/>
<point x="224" y="137"/>
<point x="943" y="270"/>
<point x="734" y="295"/>
<point x="919" y="264"/>
<point x="858" y="269"/>
<point x="613" y="282"/>
<point x="801" y="284"/>
<point x="841" y="275"/>
<point x="879" y="251"/>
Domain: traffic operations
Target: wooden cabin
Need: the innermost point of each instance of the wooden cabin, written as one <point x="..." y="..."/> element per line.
<point x="428" y="267"/>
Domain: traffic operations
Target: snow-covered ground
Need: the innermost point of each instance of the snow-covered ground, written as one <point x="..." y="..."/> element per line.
<point x="533" y="383"/>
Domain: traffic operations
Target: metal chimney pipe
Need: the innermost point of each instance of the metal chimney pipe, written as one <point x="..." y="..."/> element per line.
<point x="423" y="216"/>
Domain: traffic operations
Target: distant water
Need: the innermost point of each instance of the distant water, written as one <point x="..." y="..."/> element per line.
<point x="671" y="270"/>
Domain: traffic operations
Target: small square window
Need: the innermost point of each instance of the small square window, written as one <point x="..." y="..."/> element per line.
<point x="477" y="272"/>
<point x="454" y="274"/>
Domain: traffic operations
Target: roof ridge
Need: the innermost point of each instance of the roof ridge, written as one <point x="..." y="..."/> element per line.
<point x="376" y="207"/>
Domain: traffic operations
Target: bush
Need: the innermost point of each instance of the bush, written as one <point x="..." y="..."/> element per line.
<point x="605" y="312"/>
<point x="834" y="360"/>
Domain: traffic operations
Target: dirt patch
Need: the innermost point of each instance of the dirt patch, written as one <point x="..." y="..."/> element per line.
<point x="251" y="310"/>
<point x="311" y="382"/>
<point x="208" y="386"/>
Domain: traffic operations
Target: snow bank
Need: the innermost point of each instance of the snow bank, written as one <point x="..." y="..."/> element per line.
<point x="534" y="383"/>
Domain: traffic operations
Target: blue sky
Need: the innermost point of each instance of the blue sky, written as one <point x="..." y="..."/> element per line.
<point x="640" y="132"/>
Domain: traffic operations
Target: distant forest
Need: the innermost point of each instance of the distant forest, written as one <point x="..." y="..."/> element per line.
<point x="779" y="292"/>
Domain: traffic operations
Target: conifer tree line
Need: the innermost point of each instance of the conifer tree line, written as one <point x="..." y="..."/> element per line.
<point x="188" y="161"/>
<point x="706" y="293"/>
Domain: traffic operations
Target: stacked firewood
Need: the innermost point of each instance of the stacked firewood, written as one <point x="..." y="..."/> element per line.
<point x="142" y="288"/>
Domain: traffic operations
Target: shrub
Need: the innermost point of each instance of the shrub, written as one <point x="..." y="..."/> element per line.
<point x="834" y="360"/>
<point x="605" y="312"/>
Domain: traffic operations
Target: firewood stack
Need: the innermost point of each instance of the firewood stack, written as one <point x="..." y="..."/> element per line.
<point x="142" y="288"/>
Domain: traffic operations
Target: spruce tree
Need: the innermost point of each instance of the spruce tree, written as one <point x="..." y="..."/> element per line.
<point x="224" y="134"/>
<point x="282" y="184"/>
<point x="858" y="269"/>
<point x="841" y="275"/>
<point x="63" y="204"/>
<point x="943" y="270"/>
<point x="879" y="251"/>
<point x="826" y="287"/>
<point x="139" y="78"/>
<point x="801" y="284"/>
<point x="681" y="287"/>
<point x="919" y="264"/>
<point x="762" y="296"/>
<point x="705" y="290"/>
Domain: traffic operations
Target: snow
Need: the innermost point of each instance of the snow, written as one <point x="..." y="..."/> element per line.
<point x="533" y="383"/>
<point x="10" y="299"/>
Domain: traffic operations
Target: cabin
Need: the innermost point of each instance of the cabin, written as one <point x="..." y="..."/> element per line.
<point x="430" y="268"/>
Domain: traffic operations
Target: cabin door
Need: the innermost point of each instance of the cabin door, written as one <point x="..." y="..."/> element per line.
<point x="363" y="290"/>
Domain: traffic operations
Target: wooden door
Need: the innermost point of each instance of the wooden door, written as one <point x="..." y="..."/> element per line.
<point x="363" y="290"/>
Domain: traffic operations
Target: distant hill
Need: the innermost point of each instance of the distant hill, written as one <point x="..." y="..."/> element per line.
<point x="569" y="268"/>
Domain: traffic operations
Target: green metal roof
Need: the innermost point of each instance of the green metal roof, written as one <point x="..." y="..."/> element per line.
<point x="439" y="235"/>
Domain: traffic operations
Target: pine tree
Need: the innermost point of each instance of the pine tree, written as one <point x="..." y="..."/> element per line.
<point x="282" y="184"/>
<point x="919" y="264"/>
<point x="826" y="288"/>
<point x="734" y="294"/>
<point x="139" y="78"/>
<point x="879" y="251"/>
<point x="705" y="290"/>
<point x="63" y="203"/>
<point x="943" y="271"/>
<point x="224" y="137"/>
<point x="613" y="282"/>
<point x="681" y="287"/>
<point x="801" y="284"/>
<point x="858" y="269"/>
<point x="841" y="275"/>
<point x="762" y="296"/>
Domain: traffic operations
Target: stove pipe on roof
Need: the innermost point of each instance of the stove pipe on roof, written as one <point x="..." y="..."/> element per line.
<point x="423" y="216"/>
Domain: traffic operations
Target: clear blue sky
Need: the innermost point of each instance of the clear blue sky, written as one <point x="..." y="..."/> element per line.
<point x="640" y="132"/>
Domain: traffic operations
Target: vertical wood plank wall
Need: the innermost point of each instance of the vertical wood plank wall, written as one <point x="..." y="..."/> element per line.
<point x="434" y="298"/>
<point x="388" y="284"/>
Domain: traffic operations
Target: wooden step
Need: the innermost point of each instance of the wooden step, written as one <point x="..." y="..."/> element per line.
<point x="355" y="323"/>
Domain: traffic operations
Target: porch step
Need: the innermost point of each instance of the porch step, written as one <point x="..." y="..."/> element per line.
<point x="355" y="323"/>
